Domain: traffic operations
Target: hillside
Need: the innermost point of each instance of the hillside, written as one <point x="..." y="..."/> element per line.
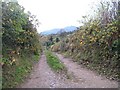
<point x="57" y="30"/>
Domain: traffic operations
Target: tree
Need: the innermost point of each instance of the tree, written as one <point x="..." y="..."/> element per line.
<point x="51" y="39"/>
<point x="57" y="39"/>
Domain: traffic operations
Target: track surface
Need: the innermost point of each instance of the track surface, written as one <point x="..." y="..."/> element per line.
<point x="43" y="77"/>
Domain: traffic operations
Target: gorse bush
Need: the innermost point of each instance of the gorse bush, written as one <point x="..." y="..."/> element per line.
<point x="96" y="43"/>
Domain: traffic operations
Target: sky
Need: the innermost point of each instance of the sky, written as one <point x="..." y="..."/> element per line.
<point x="57" y="13"/>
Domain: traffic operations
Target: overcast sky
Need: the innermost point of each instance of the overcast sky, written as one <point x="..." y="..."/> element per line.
<point x="57" y="13"/>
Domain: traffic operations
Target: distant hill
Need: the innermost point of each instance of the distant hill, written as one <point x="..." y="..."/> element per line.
<point x="57" y="30"/>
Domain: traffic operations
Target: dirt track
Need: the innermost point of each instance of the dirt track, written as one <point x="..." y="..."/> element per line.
<point x="85" y="77"/>
<point x="43" y="77"/>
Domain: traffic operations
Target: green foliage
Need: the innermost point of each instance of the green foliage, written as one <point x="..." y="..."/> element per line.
<point x="18" y="31"/>
<point x="19" y="35"/>
<point x="54" y="62"/>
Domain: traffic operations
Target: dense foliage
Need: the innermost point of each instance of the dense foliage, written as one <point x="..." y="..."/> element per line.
<point x="96" y="43"/>
<point x="20" y="42"/>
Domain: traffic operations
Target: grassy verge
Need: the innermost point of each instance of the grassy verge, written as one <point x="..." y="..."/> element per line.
<point x="54" y="62"/>
<point x="15" y="74"/>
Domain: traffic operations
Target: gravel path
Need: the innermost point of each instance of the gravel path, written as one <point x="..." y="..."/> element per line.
<point x="43" y="77"/>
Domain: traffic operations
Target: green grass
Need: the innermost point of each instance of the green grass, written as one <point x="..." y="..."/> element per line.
<point x="16" y="74"/>
<point x="54" y="62"/>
